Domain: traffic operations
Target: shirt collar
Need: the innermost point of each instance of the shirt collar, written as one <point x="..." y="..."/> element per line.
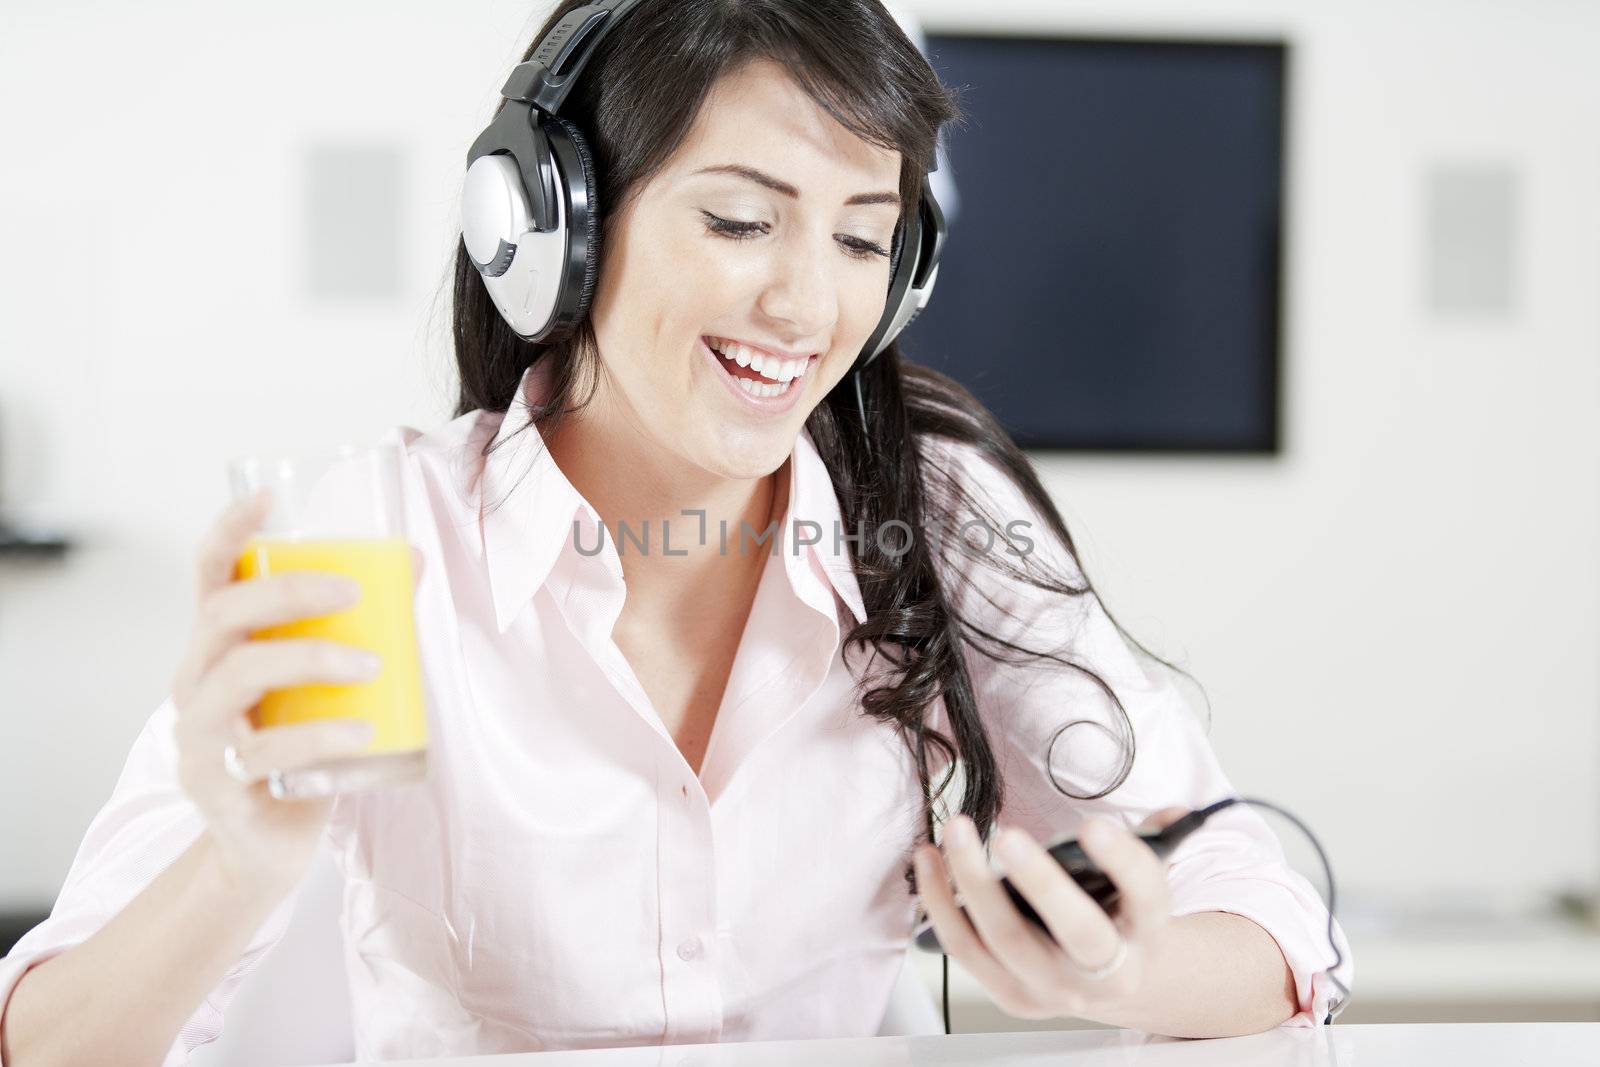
<point x="528" y="508"/>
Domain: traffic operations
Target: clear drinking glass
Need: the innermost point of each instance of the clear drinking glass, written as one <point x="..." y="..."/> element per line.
<point x="341" y="511"/>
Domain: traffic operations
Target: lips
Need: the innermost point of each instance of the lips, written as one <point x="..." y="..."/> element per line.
<point x="764" y="364"/>
<point x="762" y="381"/>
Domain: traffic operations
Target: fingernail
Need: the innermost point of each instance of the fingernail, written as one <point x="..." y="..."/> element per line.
<point x="962" y="833"/>
<point x="371" y="662"/>
<point x="345" y="590"/>
<point x="356" y="733"/>
<point x="1008" y="845"/>
<point x="1096" y="832"/>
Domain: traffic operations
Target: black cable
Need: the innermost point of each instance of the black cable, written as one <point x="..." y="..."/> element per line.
<point x="927" y="799"/>
<point x="946" y="993"/>
<point x="1338" y="957"/>
<point x="861" y="406"/>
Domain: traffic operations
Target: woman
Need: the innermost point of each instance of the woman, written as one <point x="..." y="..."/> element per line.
<point x="684" y="794"/>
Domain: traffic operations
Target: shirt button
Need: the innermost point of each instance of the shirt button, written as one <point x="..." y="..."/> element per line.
<point x="689" y="949"/>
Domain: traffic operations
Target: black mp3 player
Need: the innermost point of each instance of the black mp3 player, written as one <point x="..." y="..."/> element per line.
<point x="1101" y="889"/>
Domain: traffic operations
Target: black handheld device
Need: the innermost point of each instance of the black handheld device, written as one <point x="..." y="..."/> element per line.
<point x="1100" y="887"/>
<point x="1070" y="855"/>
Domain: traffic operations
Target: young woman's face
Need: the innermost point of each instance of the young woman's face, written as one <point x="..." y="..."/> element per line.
<point x="808" y="278"/>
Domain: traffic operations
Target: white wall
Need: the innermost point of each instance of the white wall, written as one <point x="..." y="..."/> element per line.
<point x="1396" y="619"/>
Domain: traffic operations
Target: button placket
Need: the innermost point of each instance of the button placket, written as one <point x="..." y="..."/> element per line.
<point x="691" y="993"/>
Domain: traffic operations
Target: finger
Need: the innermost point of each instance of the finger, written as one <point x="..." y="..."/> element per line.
<point x="956" y="935"/>
<point x="1021" y="947"/>
<point x="248" y="671"/>
<point x="1138" y="873"/>
<point x="231" y="614"/>
<point x="219" y="550"/>
<point x="1078" y="924"/>
<point x="1160" y="820"/>
<point x="291" y="747"/>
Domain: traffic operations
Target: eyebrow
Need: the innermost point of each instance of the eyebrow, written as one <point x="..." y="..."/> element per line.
<point x="779" y="186"/>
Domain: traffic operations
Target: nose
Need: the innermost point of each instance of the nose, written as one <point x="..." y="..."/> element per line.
<point x="802" y="295"/>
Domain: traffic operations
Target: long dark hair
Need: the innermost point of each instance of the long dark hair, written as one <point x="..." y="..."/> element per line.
<point x="635" y="101"/>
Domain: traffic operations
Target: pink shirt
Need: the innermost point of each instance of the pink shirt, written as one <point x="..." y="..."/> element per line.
<point x="565" y="880"/>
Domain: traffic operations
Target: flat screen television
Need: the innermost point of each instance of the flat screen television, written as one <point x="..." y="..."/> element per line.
<point x="1113" y="274"/>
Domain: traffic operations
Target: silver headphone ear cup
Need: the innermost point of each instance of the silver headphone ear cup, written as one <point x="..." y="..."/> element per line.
<point x="525" y="289"/>
<point x="494" y="214"/>
<point x="541" y="281"/>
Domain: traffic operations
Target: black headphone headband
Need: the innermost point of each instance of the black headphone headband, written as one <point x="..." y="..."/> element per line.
<point x="545" y="79"/>
<point x="529" y="211"/>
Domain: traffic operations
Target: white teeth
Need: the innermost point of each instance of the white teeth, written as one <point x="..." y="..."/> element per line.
<point x="760" y="389"/>
<point x="774" y="369"/>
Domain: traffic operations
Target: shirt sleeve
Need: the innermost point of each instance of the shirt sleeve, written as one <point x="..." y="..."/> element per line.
<point x="1053" y="725"/>
<point x="141" y="830"/>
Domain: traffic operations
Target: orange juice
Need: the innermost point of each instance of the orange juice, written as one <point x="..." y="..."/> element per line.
<point x="381" y="622"/>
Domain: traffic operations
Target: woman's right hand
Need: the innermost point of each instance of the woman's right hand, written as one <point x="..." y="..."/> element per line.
<point x="265" y="842"/>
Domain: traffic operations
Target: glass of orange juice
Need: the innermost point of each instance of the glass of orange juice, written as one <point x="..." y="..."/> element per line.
<point x="341" y="511"/>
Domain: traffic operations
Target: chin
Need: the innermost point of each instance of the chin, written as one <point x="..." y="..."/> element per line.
<point x="748" y="456"/>
<point x="751" y="468"/>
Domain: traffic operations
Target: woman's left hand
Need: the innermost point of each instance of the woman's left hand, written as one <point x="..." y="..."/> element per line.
<point x="1028" y="975"/>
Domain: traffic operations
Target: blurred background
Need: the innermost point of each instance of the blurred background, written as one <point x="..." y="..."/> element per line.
<point x="1297" y="311"/>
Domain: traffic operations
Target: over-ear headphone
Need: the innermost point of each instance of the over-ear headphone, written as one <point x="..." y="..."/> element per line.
<point x="529" y="217"/>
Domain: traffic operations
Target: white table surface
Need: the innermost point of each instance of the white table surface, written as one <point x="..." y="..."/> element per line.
<point x="1557" y="962"/>
<point x="1448" y="1045"/>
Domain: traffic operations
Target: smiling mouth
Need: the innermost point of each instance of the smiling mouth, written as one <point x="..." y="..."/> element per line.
<point x="758" y="373"/>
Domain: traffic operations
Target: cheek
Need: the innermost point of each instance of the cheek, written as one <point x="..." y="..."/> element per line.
<point x="695" y="283"/>
<point x="689" y="279"/>
<point x="861" y="308"/>
<point x="844" y="359"/>
<point x="669" y="289"/>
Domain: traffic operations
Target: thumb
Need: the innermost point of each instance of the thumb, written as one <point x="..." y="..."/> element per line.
<point x="1160" y="820"/>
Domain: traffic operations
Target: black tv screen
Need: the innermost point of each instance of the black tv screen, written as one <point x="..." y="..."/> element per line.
<point x="1112" y="275"/>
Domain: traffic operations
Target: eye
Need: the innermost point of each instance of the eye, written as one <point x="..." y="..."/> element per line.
<point x="864" y="248"/>
<point x="738" y="231"/>
<point x="735" y="230"/>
